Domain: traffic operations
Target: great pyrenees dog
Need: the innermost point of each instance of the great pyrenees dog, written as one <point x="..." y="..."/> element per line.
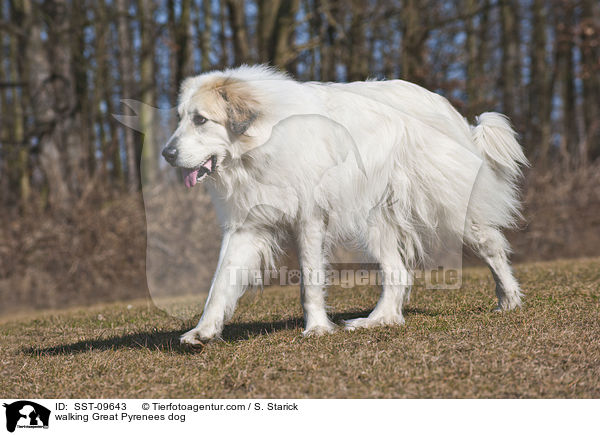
<point x="383" y="164"/>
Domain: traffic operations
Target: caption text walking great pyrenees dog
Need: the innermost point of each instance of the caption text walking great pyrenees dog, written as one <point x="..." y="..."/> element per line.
<point x="384" y="164"/>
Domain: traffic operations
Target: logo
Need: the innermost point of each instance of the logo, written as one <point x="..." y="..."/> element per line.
<point x="26" y="414"/>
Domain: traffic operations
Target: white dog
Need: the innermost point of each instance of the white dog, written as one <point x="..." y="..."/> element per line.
<point x="385" y="164"/>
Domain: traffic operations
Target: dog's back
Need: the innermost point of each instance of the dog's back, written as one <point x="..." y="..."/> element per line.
<point x="441" y="172"/>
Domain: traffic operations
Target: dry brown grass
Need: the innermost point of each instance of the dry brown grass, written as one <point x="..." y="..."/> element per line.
<point x="451" y="346"/>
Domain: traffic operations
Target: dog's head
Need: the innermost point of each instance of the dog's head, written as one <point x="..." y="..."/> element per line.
<point x="216" y="113"/>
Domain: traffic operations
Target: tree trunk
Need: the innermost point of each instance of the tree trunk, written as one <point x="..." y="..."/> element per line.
<point x="566" y="80"/>
<point x="82" y="97"/>
<point x="127" y="92"/>
<point x="17" y="159"/>
<point x="237" y="20"/>
<point x="53" y="101"/>
<point x="182" y="42"/>
<point x="113" y="141"/>
<point x="473" y="77"/>
<point x="358" y="68"/>
<point x="414" y="35"/>
<point x="482" y="55"/>
<point x="590" y="76"/>
<point x="22" y="155"/>
<point x="540" y="87"/>
<point x="224" y="54"/>
<point x="510" y="78"/>
<point x="276" y="24"/>
<point x="149" y="163"/>
<point x="5" y="40"/>
<point x="314" y="32"/>
<point x="267" y="16"/>
<point x="329" y="44"/>
<point x="285" y="28"/>
<point x="111" y="151"/>
<point x="206" y="39"/>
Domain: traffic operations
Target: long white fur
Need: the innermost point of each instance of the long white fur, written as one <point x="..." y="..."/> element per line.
<point x="377" y="163"/>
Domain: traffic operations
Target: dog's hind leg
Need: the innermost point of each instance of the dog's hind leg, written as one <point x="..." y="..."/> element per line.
<point x="492" y="247"/>
<point x="239" y="261"/>
<point x="383" y="245"/>
<point x="311" y="239"/>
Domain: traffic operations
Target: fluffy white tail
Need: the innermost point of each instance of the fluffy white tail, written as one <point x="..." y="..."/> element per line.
<point x="498" y="142"/>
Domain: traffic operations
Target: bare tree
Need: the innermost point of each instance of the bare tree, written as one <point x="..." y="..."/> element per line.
<point x="206" y="38"/>
<point x="540" y="86"/>
<point x="16" y="152"/>
<point x="276" y="30"/>
<point x="103" y="99"/>
<point x="53" y="100"/>
<point x="473" y="73"/>
<point x="180" y="28"/>
<point x="127" y="89"/>
<point x="330" y="37"/>
<point x="237" y="19"/>
<point x="414" y="34"/>
<point x="564" y="17"/>
<point x="510" y="76"/>
<point x="83" y="102"/>
<point x="149" y="162"/>
<point x="358" y="67"/>
<point x="589" y="36"/>
<point x="223" y="38"/>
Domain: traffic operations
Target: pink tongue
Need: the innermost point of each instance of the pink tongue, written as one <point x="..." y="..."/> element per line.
<point x="190" y="177"/>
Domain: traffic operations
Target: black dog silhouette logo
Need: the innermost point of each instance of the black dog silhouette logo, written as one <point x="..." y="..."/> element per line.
<point x="26" y="414"/>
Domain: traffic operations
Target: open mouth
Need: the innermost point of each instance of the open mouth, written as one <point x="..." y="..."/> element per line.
<point x="195" y="175"/>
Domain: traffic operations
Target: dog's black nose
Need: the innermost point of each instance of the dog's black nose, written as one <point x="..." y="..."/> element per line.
<point x="170" y="153"/>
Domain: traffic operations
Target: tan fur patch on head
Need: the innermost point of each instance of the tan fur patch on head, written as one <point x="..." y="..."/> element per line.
<point x="230" y="102"/>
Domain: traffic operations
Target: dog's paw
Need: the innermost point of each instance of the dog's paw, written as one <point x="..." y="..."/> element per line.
<point x="318" y="330"/>
<point x="506" y="306"/>
<point x="509" y="302"/>
<point x="197" y="336"/>
<point x="371" y="322"/>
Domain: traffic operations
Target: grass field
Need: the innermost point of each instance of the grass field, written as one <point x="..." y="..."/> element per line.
<point x="451" y="346"/>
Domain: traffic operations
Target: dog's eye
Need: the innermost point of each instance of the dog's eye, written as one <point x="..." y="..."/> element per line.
<point x="198" y="119"/>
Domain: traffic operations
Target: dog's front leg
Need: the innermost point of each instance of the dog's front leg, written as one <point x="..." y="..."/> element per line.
<point x="239" y="260"/>
<point x="311" y="236"/>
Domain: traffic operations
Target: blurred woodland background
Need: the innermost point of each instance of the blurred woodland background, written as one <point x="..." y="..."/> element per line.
<point x="72" y="227"/>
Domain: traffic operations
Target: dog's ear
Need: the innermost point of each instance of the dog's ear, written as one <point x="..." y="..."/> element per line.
<point x="240" y="107"/>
